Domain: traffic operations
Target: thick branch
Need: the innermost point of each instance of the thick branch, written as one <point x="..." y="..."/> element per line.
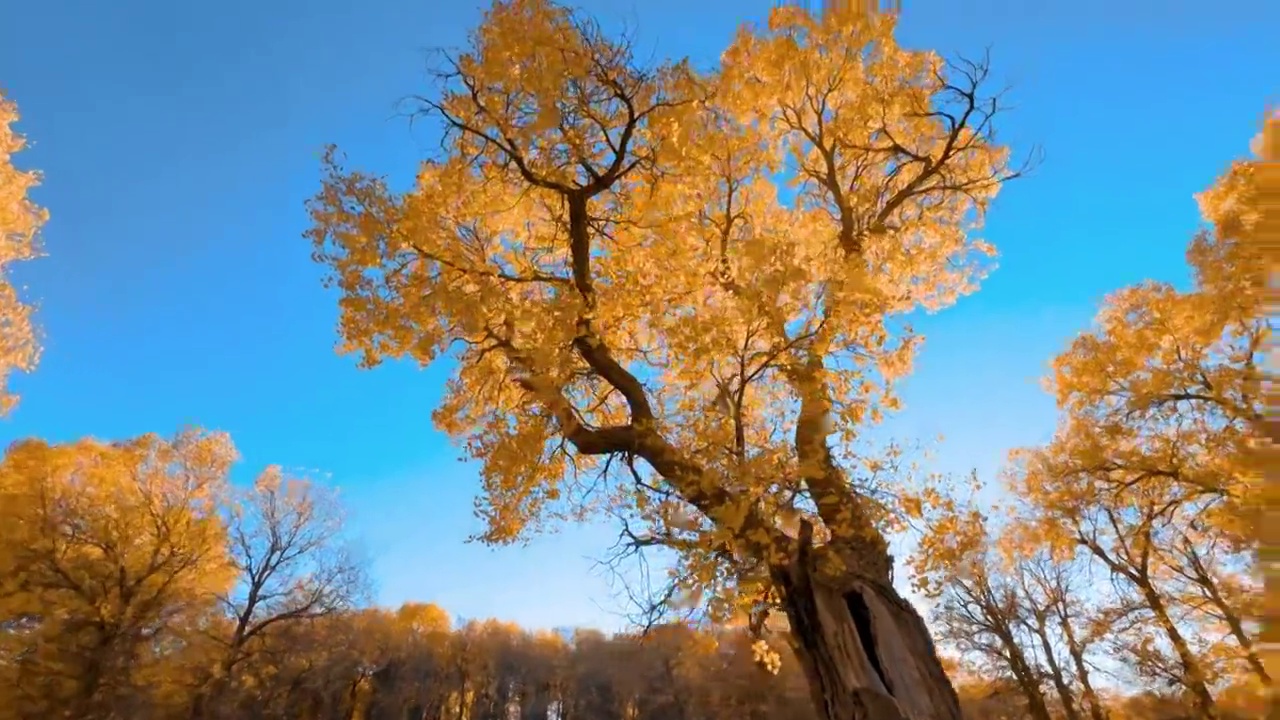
<point x="694" y="483"/>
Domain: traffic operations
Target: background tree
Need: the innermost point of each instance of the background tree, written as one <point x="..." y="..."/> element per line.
<point x="109" y="557"/>
<point x="293" y="565"/>
<point x="631" y="297"/>
<point x="1149" y="472"/>
<point x="20" y="222"/>
<point x="415" y="681"/>
<point x="979" y="609"/>
<point x="1131" y="535"/>
<point x="1147" y="483"/>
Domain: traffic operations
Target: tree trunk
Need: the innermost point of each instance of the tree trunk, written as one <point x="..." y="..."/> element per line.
<point x="1096" y="711"/>
<point x="1024" y="677"/>
<point x="865" y="651"/>
<point x="205" y="700"/>
<point x="1193" y="674"/>
<point x="1065" y="695"/>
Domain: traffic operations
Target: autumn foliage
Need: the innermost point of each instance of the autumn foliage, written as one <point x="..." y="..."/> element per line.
<point x="20" y="222"/>
<point x="131" y="582"/>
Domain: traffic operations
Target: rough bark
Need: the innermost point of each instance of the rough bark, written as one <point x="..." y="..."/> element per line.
<point x="865" y="651"/>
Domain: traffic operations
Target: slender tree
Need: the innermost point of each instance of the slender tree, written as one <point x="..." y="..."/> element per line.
<point x="293" y="565"/>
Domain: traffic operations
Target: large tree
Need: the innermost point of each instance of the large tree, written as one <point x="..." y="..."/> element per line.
<point x="680" y="293"/>
<point x="110" y="555"/>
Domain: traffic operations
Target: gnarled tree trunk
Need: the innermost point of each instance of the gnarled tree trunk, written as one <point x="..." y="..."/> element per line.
<point x="866" y="652"/>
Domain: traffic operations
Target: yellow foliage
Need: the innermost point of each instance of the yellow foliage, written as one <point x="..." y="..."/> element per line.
<point x="20" y="222"/>
<point x="423" y="617"/>
<point x="1150" y="469"/>
<point x="106" y="551"/>
<point x="696" y="270"/>
<point x="1165" y="391"/>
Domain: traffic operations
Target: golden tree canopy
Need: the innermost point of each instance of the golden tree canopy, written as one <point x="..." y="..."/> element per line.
<point x="699" y="270"/>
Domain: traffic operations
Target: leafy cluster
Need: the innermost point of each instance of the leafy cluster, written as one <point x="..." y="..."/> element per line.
<point x="20" y="222"/>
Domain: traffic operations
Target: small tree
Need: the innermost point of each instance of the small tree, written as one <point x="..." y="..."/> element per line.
<point x="683" y="285"/>
<point x="293" y="564"/>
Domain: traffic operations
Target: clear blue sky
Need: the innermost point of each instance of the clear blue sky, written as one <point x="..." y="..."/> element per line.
<point x="179" y="141"/>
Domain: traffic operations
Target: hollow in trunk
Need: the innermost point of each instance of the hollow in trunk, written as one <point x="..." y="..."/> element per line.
<point x="865" y="651"/>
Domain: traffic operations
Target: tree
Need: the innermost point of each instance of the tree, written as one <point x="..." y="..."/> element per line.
<point x="109" y="553"/>
<point x="1262" y="236"/>
<point x="415" y="681"/>
<point x="20" y="223"/>
<point x="293" y="564"/>
<point x="979" y="610"/>
<point x="1150" y="472"/>
<point x="632" y="295"/>
<point x="1052" y="588"/>
<point x="1148" y="483"/>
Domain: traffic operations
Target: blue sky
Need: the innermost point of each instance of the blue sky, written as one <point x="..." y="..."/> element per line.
<point x="180" y="140"/>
